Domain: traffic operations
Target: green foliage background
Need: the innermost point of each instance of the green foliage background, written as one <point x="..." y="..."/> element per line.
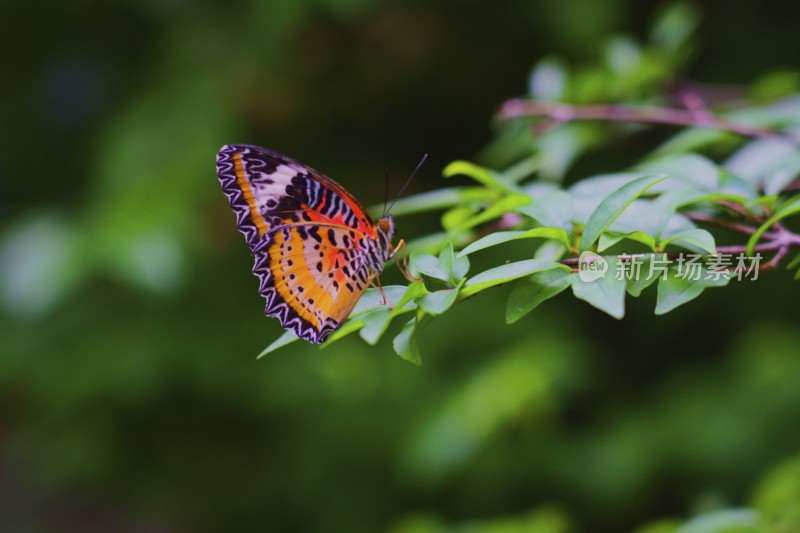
<point x="130" y="398"/>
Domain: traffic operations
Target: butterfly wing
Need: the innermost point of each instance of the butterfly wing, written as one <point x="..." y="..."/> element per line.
<point x="268" y="189"/>
<point x="311" y="277"/>
<point x="308" y="234"/>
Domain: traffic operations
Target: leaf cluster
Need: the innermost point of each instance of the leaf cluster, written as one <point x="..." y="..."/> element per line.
<point x="733" y="168"/>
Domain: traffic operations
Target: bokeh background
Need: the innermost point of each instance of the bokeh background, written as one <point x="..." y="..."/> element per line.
<point x="130" y="397"/>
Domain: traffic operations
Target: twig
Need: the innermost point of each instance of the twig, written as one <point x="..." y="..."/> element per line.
<point x="740" y="210"/>
<point x="621" y="113"/>
<point x="779" y="239"/>
<point x="793" y="186"/>
<point x="779" y="255"/>
<point x="733" y="226"/>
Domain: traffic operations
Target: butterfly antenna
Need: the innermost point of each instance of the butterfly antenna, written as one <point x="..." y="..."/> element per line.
<point x="386" y="193"/>
<point x="408" y="181"/>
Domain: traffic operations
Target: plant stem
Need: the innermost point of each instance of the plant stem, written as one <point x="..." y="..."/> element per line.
<point x="621" y="113"/>
<point x="775" y="261"/>
<point x="733" y="226"/>
<point x="740" y="210"/>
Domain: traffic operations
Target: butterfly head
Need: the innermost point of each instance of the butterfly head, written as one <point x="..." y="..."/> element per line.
<point x="385" y="226"/>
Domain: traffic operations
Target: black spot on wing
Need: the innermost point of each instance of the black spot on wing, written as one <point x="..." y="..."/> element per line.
<point x="313" y="231"/>
<point x="332" y="236"/>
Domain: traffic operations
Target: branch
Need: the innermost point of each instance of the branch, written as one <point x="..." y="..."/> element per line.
<point x="733" y="226"/>
<point x="621" y="113"/>
<point x="741" y="211"/>
<point x="775" y="261"/>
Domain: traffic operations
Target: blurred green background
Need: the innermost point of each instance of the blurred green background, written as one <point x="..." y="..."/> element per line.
<point x="130" y="397"/>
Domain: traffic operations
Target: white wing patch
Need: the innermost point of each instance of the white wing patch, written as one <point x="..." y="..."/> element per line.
<point x="269" y="188"/>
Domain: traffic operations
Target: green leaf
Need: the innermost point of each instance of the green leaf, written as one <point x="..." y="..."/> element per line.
<point x="623" y="55"/>
<point x="428" y="265"/>
<point x="493" y="239"/>
<point x="288" y="337"/>
<point x="439" y="199"/>
<point x="43" y="256"/>
<point x="612" y="206"/>
<point x="756" y="159"/>
<point x="606" y="293"/>
<point x="650" y="217"/>
<point x="782" y="175"/>
<point x="525" y="168"/>
<point x="437" y="302"/>
<point x="352" y="325"/>
<point x="375" y="325"/>
<point x="774" y="85"/>
<point x="675" y="25"/>
<point x="501" y="207"/>
<point x="685" y="198"/>
<point x="372" y="307"/>
<point x="371" y="302"/>
<point x="554" y="210"/>
<point x="698" y="238"/>
<point x="500" y="237"/>
<point x="415" y="289"/>
<point x="405" y="343"/>
<point x="550" y="251"/>
<point x="724" y="521"/>
<point x="609" y="239"/>
<point x="427" y="201"/>
<point x="560" y="147"/>
<point x="434" y="242"/>
<point x="730" y="183"/>
<point x="778" y="115"/>
<point x="374" y="298"/>
<point x="482" y="175"/>
<point x="457" y="217"/>
<point x="690" y="170"/>
<point x="791" y="207"/>
<point x="548" y="80"/>
<point x="794" y="262"/>
<point x="599" y="186"/>
<point x="777" y="497"/>
<point x="455" y="266"/>
<point x="677" y="289"/>
<point x="767" y="201"/>
<point x="529" y="292"/>
<point x="505" y="273"/>
<point x="639" y="280"/>
<point x="690" y="139"/>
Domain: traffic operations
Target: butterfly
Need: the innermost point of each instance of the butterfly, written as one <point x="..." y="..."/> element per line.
<point x="316" y="249"/>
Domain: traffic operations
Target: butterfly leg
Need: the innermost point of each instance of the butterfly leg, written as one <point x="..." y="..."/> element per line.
<point x="403" y="267"/>
<point x="376" y="281"/>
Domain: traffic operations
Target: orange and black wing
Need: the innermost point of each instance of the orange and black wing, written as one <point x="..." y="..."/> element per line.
<point x="308" y="234"/>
